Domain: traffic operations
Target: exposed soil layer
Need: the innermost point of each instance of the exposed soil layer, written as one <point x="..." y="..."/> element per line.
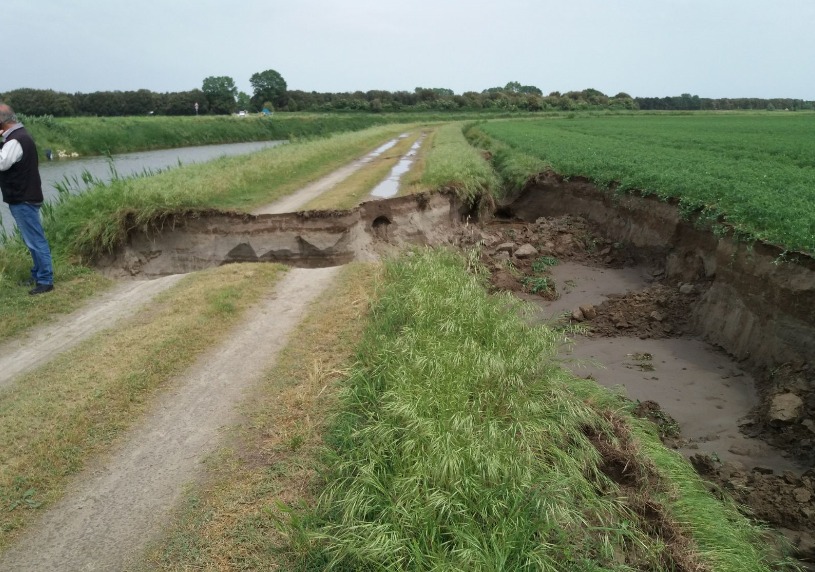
<point x="670" y="280"/>
<point x="650" y="298"/>
<point x="306" y="239"/>
<point x="754" y="302"/>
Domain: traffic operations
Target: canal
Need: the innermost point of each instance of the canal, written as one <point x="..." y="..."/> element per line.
<point x="54" y="172"/>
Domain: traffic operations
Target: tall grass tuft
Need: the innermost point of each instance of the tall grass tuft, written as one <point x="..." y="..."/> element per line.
<point x="453" y="163"/>
<point x="463" y="445"/>
<point x="439" y="459"/>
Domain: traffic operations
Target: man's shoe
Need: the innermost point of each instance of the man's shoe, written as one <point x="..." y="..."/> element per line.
<point x="41" y="289"/>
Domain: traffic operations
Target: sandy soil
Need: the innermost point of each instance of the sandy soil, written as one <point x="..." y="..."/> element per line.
<point x="113" y="508"/>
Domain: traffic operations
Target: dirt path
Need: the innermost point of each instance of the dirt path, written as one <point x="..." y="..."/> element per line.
<point x="296" y="200"/>
<point x="115" y="506"/>
<point x="23" y="354"/>
<point x="112" y="510"/>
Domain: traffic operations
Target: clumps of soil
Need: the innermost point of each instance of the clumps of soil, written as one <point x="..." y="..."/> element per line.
<point x="658" y="311"/>
<point x="785" y="417"/>
<point x="667" y="427"/>
<point x="518" y="254"/>
<point x="786" y="501"/>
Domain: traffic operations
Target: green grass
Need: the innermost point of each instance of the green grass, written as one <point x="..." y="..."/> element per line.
<point x="463" y="445"/>
<point x="110" y="135"/>
<point x="756" y="171"/>
<point x="452" y="163"/>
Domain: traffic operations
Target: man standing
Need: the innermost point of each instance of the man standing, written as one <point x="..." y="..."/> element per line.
<point x="22" y="190"/>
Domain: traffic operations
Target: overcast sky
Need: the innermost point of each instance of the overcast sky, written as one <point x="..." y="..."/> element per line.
<point x="647" y="48"/>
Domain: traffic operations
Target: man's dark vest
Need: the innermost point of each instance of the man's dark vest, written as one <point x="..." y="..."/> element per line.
<point x="21" y="183"/>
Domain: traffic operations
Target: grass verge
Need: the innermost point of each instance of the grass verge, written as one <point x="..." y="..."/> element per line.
<point x="230" y="523"/>
<point x="54" y="418"/>
<point x="453" y="163"/>
<point x="463" y="445"/>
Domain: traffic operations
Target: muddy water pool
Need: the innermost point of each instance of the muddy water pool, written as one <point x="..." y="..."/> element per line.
<point x="699" y="386"/>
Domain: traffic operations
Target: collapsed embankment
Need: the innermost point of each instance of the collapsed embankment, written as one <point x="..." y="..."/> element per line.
<point x="308" y="239"/>
<point x="748" y="299"/>
<point x="758" y="302"/>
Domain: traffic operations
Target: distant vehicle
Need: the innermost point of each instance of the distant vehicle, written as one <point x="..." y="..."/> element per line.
<point x="241" y="113"/>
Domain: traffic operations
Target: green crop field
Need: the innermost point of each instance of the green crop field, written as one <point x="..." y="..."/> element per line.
<point x="756" y="171"/>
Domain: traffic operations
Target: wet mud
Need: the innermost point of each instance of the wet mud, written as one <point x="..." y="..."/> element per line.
<point x="642" y="306"/>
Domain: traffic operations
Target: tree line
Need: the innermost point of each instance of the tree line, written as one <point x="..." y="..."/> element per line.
<point x="218" y="95"/>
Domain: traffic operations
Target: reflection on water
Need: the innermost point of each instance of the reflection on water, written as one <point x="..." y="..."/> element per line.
<point x="389" y="186"/>
<point x="53" y="172"/>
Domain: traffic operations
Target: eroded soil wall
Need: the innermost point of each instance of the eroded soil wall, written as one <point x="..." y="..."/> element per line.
<point x="305" y="239"/>
<point x="757" y="306"/>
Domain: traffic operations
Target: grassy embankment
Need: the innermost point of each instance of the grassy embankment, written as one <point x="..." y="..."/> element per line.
<point x="96" y="392"/>
<point x="111" y="135"/>
<point x="753" y="172"/>
<point x="88" y="224"/>
<point x="457" y="443"/>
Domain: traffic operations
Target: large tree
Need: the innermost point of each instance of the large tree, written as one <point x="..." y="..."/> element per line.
<point x="221" y="93"/>
<point x="268" y="86"/>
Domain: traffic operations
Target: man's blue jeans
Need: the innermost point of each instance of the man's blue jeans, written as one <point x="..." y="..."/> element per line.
<point x="27" y="217"/>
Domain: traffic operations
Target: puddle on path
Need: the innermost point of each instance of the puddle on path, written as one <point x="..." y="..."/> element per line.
<point x="297" y="200"/>
<point x="381" y="149"/>
<point x="389" y="186"/>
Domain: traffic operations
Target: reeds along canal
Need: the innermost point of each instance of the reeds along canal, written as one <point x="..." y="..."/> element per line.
<point x="104" y="168"/>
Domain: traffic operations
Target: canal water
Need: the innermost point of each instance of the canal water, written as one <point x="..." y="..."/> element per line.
<point x="54" y="172"/>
